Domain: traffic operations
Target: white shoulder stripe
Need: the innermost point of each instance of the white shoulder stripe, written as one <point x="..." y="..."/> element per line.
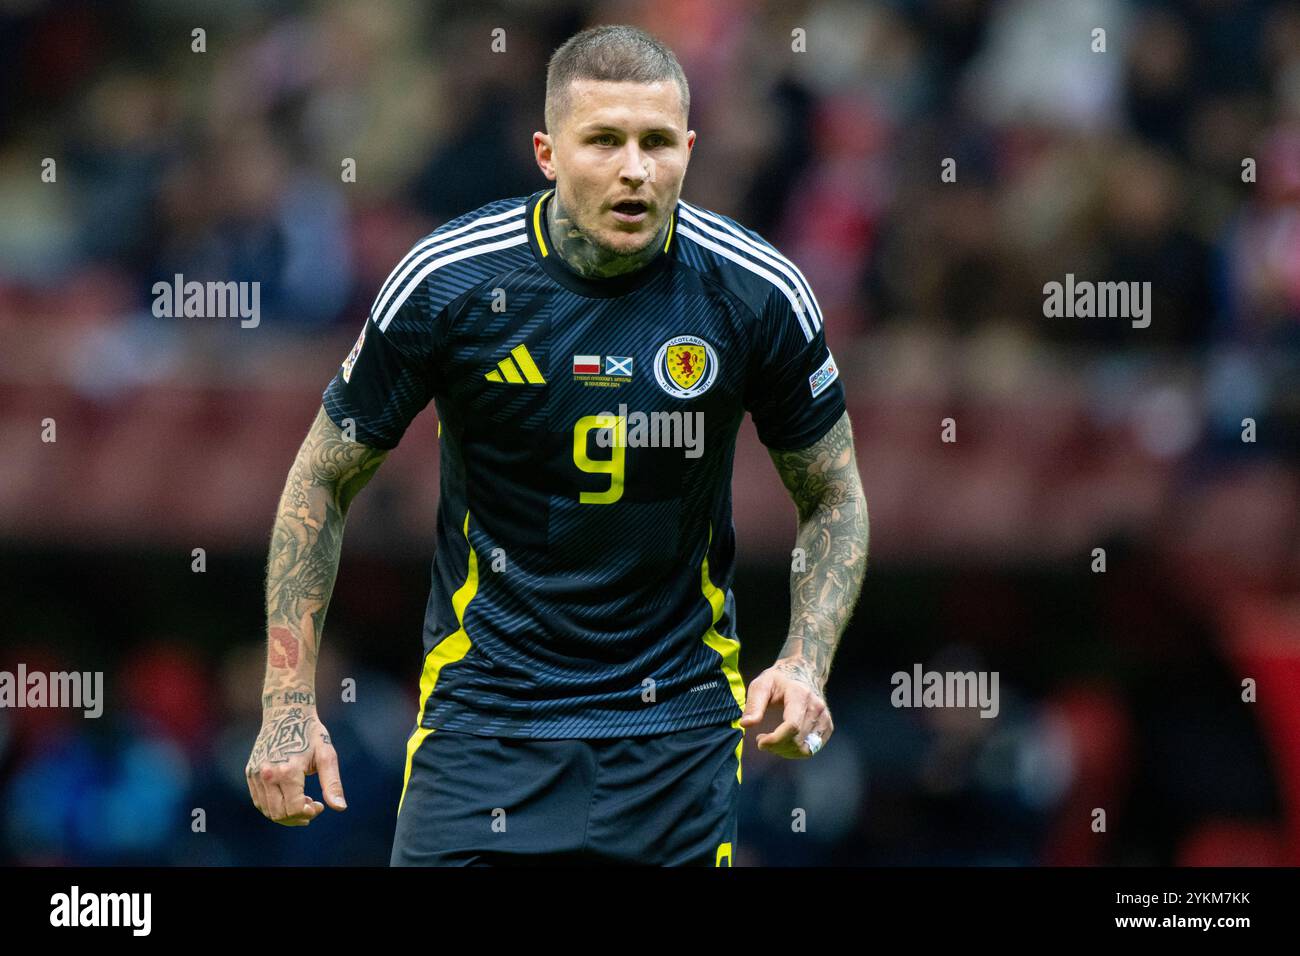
<point x="519" y="238"/>
<point x="436" y="244"/>
<point x="800" y="310"/>
<point x="738" y="239"/>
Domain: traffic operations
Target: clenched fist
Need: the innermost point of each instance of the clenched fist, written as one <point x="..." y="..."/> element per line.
<point x="292" y="744"/>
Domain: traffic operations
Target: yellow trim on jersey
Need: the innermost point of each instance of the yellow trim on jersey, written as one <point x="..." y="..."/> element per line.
<point x="537" y="222"/>
<point x="672" y="217"/>
<point x="531" y="372"/>
<point x="727" y="647"/>
<point x="447" y="651"/>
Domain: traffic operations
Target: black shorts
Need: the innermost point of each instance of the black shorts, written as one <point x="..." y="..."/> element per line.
<point x="666" y="800"/>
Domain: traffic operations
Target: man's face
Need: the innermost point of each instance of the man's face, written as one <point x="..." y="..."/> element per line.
<point x="620" y="143"/>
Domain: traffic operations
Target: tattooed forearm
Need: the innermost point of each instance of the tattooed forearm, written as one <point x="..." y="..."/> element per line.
<point x="282" y="698"/>
<point x="585" y="258"/>
<point x="305" y="545"/>
<point x="823" y="481"/>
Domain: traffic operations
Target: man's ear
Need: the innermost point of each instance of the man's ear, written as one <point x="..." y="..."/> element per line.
<point x="690" y="140"/>
<point x="544" y="153"/>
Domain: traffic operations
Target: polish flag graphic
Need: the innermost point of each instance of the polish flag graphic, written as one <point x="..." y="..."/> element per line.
<point x="586" y="365"/>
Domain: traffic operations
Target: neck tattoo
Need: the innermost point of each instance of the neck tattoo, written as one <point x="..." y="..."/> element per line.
<point x="585" y="258"/>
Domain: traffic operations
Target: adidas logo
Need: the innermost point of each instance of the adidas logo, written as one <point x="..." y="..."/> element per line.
<point x="523" y="373"/>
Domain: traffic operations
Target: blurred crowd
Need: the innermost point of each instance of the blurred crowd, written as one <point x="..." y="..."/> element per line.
<point x="1164" y="148"/>
<point x="1117" y="156"/>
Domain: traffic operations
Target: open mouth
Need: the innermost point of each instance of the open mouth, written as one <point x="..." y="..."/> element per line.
<point x="630" y="211"/>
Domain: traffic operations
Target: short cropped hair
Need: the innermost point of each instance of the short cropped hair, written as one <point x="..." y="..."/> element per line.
<point x="616" y="53"/>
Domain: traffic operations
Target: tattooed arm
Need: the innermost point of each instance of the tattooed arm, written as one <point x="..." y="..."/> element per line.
<point x="301" y="567"/>
<point x="824" y="584"/>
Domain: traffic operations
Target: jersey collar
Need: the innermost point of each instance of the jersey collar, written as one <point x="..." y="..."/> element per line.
<point x="539" y="241"/>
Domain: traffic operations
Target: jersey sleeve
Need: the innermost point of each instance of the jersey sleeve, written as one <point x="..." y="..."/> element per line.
<point x="794" y="393"/>
<point x="389" y="376"/>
